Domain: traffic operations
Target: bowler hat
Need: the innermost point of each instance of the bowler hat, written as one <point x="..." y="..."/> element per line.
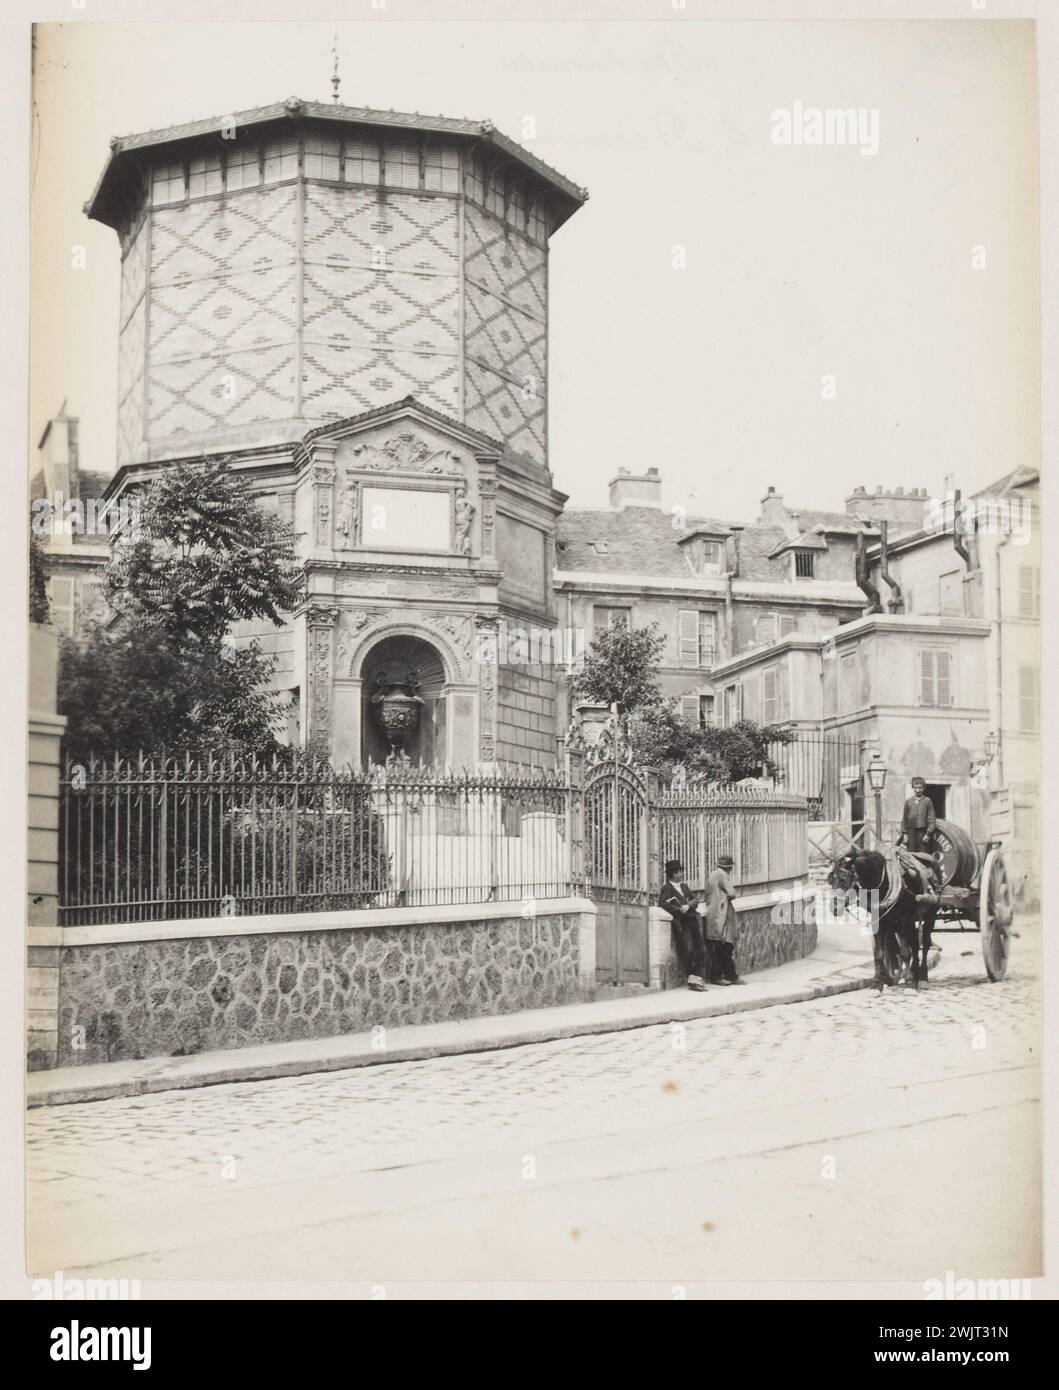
<point x="673" y="866"/>
<point x="725" y="861"/>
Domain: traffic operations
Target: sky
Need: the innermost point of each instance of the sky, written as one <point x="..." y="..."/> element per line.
<point x="735" y="312"/>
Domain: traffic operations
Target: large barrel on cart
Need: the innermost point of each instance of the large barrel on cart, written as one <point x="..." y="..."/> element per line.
<point x="956" y="855"/>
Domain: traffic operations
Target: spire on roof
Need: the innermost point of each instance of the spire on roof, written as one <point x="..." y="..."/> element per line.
<point x="334" y="68"/>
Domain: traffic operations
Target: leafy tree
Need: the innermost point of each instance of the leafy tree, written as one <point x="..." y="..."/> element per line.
<point x="39" y="607"/>
<point x="204" y="555"/>
<point x="621" y="667"/>
<point x="139" y="688"/>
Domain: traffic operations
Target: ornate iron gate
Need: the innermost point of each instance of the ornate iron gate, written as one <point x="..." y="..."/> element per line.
<point x="618" y="866"/>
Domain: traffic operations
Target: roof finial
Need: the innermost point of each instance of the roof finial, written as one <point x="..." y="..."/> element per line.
<point x="334" y="70"/>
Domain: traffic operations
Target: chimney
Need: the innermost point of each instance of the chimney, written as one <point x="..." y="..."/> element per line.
<point x="773" y="512"/>
<point x="636" y="489"/>
<point x="904" y="508"/>
<point x="58" y="447"/>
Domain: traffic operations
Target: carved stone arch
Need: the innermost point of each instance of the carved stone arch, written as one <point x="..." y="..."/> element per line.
<point x="456" y="670"/>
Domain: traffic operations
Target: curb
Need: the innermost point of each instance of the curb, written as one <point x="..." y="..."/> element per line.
<point x="235" y="1070"/>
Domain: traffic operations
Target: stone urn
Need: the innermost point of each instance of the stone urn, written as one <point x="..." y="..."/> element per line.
<point x="396" y="706"/>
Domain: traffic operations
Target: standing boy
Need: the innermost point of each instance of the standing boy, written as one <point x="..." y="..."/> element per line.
<point x="918" y="823"/>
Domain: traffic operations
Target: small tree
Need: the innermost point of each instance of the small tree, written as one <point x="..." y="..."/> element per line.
<point x="204" y="555"/>
<point x="621" y="668"/>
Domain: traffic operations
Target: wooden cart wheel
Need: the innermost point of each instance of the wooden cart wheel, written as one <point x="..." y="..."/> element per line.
<point x="995" y="914"/>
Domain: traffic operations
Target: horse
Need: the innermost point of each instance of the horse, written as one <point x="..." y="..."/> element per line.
<point x="901" y="935"/>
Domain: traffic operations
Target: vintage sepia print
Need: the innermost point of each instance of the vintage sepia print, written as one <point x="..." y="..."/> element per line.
<point x="535" y="570"/>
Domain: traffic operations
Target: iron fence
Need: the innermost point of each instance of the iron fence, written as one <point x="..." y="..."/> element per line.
<point x="765" y="834"/>
<point x="152" y="839"/>
<point x="149" y="839"/>
<point x="822" y="767"/>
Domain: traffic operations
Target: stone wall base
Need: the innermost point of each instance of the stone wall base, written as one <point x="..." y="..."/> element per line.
<point x="172" y="989"/>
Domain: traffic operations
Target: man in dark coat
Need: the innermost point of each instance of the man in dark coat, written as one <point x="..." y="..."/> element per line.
<point x="681" y="903"/>
<point x="918" y="822"/>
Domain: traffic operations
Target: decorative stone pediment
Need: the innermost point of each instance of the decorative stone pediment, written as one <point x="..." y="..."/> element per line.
<point x="406" y="451"/>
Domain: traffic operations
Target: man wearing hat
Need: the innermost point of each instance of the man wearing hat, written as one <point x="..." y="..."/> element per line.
<point x="918" y="823"/>
<point x="680" y="902"/>
<point x="722" y="926"/>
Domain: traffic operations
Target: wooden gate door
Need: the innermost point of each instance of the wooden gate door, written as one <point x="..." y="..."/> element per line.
<point x="617" y="864"/>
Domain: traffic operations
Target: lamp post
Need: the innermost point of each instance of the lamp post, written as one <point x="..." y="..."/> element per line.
<point x="877" y="781"/>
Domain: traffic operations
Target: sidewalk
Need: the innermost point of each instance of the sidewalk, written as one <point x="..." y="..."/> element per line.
<point x="841" y="962"/>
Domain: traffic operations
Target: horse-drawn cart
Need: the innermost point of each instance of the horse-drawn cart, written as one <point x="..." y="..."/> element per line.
<point x="975" y="894"/>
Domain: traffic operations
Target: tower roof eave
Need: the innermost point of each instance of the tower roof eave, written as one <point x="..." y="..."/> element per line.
<point x="105" y="203"/>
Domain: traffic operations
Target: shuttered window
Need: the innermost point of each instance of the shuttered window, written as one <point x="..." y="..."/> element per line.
<point x="733" y="704"/>
<point x="935" y="677"/>
<point x="1029" y="591"/>
<point x="688" y="636"/>
<point x="696" y="637"/>
<point x="1029" y="700"/>
<point x="689" y="708"/>
<point x="774" y="704"/>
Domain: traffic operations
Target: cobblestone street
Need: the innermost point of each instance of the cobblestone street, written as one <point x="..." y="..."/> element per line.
<point x="797" y="1141"/>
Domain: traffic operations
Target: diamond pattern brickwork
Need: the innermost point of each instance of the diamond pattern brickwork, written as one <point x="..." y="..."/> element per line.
<point x="222" y="312"/>
<point x="131" y="341"/>
<point x="381" y="300"/>
<point x="505" y="334"/>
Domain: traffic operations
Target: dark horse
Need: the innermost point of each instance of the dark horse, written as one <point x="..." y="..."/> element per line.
<point x="901" y="927"/>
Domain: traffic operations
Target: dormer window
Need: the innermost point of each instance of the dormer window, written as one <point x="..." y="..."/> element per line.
<point x="803" y="564"/>
<point x="710" y="557"/>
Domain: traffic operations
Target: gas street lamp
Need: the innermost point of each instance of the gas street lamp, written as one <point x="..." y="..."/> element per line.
<point x="877" y="781"/>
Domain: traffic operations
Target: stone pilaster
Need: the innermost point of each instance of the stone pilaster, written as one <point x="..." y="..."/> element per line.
<point x="320" y="620"/>
<point x="486" y="655"/>
<point x="487" y="489"/>
<point x="323" y="504"/>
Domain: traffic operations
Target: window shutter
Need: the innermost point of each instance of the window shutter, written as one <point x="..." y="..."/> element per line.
<point x="1029" y="591"/>
<point x="926" y="678"/>
<point x="788" y="624"/>
<point x="768" y="698"/>
<point x="1028" y="699"/>
<point x="942" y="667"/>
<point x="688" y="636"/>
<point x="739" y="701"/>
<point x="689" y="709"/>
